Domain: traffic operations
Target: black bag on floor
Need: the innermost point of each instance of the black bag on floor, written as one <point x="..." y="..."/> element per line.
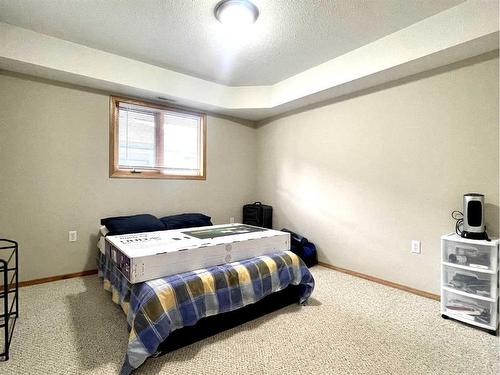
<point x="303" y="248"/>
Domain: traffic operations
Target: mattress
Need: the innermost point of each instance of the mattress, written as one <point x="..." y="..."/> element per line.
<point x="101" y="242"/>
<point x="146" y="256"/>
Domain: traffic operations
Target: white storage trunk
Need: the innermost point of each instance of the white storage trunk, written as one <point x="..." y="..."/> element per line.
<point x="147" y="256"/>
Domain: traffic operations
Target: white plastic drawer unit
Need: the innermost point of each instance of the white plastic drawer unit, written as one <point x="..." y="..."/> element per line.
<point x="469" y="253"/>
<point x="469" y="281"/>
<point x="469" y="310"/>
<point x="481" y="285"/>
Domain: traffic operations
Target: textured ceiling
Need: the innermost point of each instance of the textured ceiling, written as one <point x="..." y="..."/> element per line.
<point x="289" y="37"/>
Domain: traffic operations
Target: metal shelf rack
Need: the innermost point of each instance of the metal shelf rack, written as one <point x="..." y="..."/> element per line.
<point x="9" y="276"/>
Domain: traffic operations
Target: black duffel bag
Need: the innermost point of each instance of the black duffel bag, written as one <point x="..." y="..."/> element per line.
<point x="303" y="248"/>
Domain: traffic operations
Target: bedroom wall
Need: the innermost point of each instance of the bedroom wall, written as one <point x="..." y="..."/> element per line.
<point x="364" y="176"/>
<point x="54" y="175"/>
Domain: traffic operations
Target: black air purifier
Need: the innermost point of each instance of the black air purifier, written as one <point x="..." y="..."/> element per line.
<point x="473" y="224"/>
<point x="258" y="214"/>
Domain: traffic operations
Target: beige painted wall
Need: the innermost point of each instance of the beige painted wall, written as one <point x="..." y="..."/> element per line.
<point x="365" y="176"/>
<point x="361" y="177"/>
<point x="54" y="175"/>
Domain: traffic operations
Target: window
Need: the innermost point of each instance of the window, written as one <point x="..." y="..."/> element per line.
<point x="153" y="141"/>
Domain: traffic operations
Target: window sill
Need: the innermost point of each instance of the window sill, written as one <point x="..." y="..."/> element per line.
<point x="120" y="173"/>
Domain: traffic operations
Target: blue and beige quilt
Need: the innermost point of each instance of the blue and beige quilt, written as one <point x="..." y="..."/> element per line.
<point x="156" y="308"/>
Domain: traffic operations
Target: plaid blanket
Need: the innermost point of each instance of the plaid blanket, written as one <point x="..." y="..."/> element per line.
<point x="156" y="308"/>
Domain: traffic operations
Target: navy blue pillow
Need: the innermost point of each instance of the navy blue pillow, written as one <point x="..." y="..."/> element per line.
<point x="132" y="224"/>
<point x="186" y="221"/>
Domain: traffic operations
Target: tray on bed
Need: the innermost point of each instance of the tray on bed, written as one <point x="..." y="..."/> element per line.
<point x="148" y="256"/>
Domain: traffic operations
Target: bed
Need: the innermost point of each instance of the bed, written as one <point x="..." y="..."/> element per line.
<point x="166" y="313"/>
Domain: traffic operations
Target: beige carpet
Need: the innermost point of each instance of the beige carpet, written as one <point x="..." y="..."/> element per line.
<point x="351" y="326"/>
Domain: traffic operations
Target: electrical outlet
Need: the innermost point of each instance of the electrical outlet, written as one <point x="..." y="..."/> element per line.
<point x="231" y="220"/>
<point x="416" y="247"/>
<point x="72" y="236"/>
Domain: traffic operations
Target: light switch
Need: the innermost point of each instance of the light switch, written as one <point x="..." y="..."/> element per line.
<point x="416" y="247"/>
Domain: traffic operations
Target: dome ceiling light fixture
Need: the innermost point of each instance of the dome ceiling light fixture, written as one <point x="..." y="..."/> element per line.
<point x="236" y="12"/>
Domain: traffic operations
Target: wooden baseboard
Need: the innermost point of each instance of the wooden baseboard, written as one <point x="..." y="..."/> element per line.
<point x="56" y="278"/>
<point x="335" y="268"/>
<point x="382" y="281"/>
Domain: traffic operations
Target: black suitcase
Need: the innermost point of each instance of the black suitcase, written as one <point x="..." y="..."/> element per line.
<point x="258" y="214"/>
